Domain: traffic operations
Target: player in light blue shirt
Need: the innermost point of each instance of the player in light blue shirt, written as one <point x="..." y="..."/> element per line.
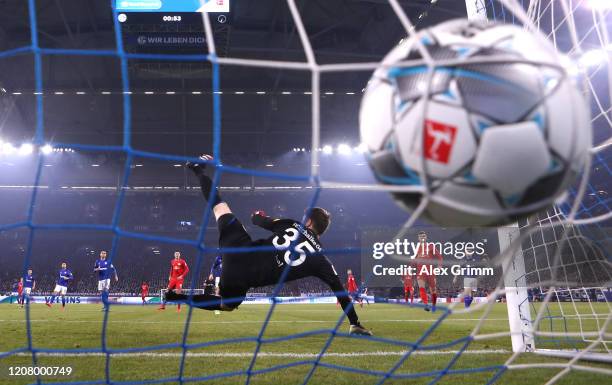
<point x="104" y="269"/>
<point x="29" y="284"/>
<point x="61" y="285"/>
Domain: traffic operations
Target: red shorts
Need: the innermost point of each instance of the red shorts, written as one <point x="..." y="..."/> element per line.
<point x="175" y="283"/>
<point x="144" y="295"/>
<point x="408" y="289"/>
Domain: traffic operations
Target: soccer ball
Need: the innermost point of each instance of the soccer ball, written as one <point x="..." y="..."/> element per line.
<point x="497" y="130"/>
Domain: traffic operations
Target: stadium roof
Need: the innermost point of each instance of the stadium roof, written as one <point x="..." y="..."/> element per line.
<point x="265" y="111"/>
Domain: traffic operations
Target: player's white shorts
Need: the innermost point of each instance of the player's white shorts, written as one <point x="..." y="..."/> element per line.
<point x="60" y="289"/>
<point x="217" y="280"/>
<point x="104" y="284"/>
<point x="27" y="290"/>
<point x="470" y="283"/>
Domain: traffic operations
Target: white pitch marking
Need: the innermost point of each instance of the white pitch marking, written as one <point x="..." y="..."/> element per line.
<point x="331" y="321"/>
<point x="270" y="354"/>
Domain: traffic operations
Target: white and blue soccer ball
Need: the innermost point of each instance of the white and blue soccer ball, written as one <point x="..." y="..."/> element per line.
<point x="503" y="131"/>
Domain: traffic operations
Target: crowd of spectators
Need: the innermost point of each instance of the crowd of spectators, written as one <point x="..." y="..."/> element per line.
<point x="175" y="215"/>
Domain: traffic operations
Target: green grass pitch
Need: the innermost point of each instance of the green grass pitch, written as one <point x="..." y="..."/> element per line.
<point x="80" y="326"/>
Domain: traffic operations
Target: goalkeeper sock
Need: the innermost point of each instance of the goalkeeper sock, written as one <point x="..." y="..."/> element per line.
<point x="63" y="301"/>
<point x="206" y="186"/>
<point x="423" y="295"/>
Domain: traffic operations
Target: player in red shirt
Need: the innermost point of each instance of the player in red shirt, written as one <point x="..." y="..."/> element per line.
<point x="351" y="285"/>
<point x="144" y="292"/>
<point x="408" y="288"/>
<point x="178" y="271"/>
<point x="427" y="251"/>
<point x="20" y="293"/>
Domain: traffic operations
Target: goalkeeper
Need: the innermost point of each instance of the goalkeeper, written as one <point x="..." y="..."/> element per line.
<point x="242" y="271"/>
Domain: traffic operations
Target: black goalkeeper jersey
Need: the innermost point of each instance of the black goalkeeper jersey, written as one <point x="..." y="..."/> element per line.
<point x="290" y="244"/>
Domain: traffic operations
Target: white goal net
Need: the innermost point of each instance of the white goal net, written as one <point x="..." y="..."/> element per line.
<point x="557" y="271"/>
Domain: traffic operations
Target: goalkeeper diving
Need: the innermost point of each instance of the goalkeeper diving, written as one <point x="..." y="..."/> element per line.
<point x="242" y="271"/>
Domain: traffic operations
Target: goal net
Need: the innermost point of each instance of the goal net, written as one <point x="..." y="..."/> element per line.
<point x="568" y="283"/>
<point x="556" y="266"/>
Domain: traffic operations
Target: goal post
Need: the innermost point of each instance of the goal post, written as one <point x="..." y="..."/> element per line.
<point x="476" y="9"/>
<point x="517" y="298"/>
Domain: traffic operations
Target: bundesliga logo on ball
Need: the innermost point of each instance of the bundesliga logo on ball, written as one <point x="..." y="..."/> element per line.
<point x="495" y="127"/>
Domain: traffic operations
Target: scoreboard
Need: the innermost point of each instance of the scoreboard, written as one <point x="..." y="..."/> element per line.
<point x="173" y="6"/>
<point x="170" y="26"/>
